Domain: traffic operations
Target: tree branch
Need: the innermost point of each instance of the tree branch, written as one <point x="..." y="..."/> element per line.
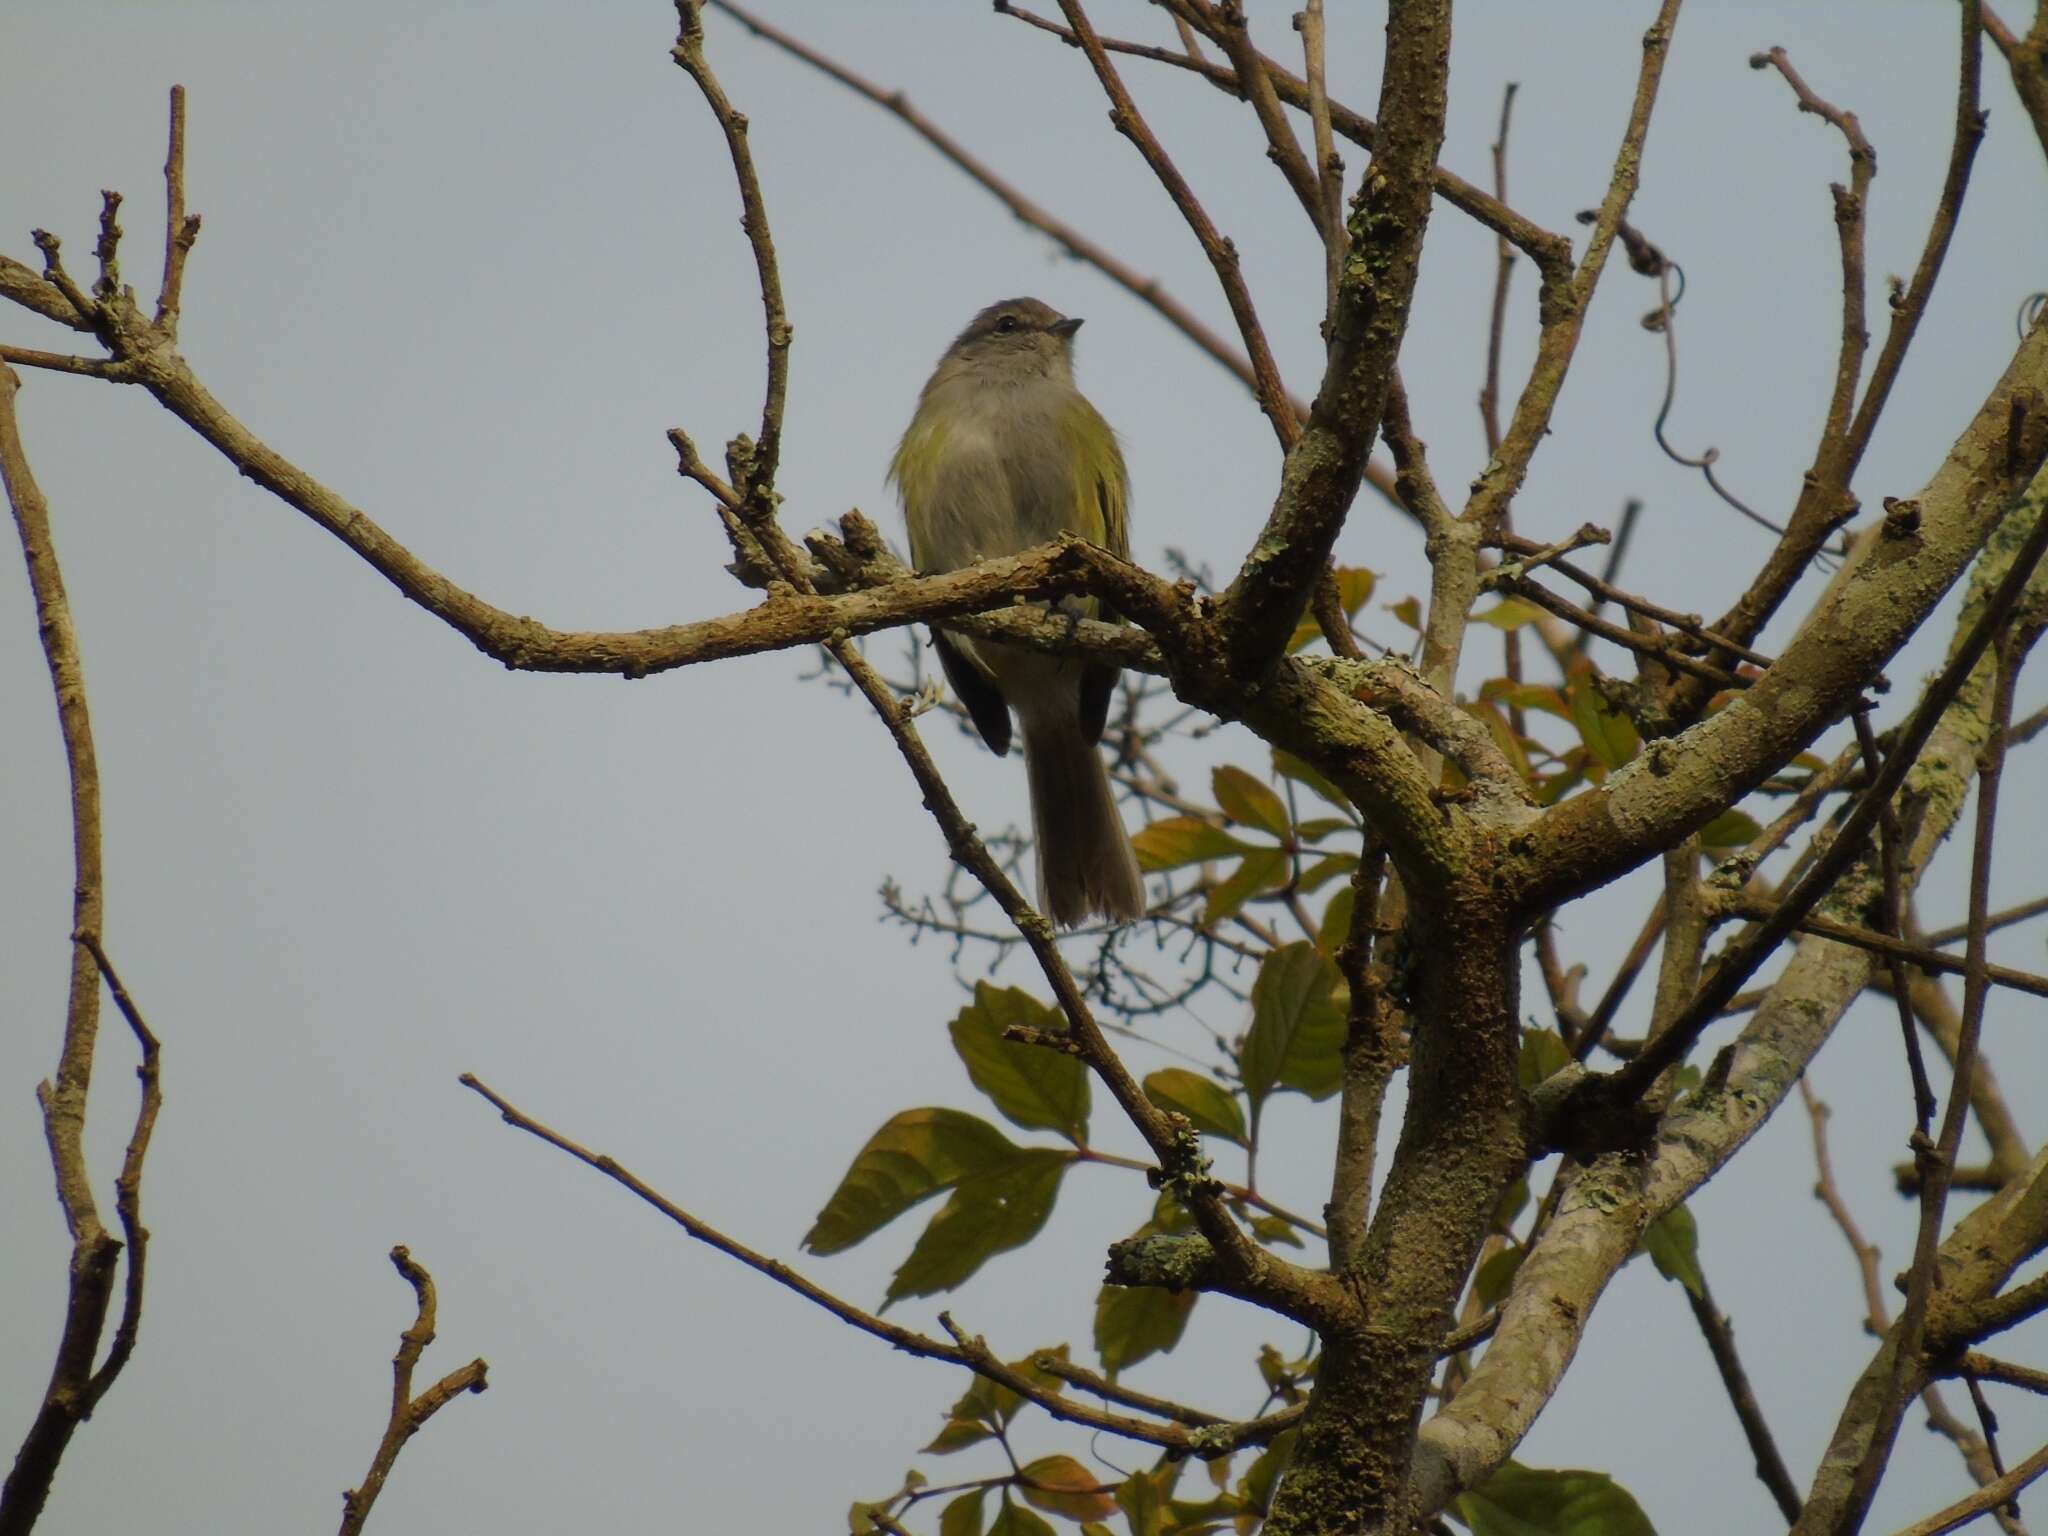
<point x="969" y="1353"/>
<point x="409" y="1414"/>
<point x="74" y="1388"/>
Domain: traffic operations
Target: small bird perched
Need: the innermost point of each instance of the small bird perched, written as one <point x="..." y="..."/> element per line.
<point x="1005" y="453"/>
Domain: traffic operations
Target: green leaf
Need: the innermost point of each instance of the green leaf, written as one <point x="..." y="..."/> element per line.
<point x="1176" y="841"/>
<point x="962" y="1517"/>
<point x="1262" y="870"/>
<point x="1526" y="1501"/>
<point x="988" y="1214"/>
<point x="1135" y="1322"/>
<point x="1496" y="1275"/>
<point x="1408" y="611"/>
<point x="957" y="1435"/>
<point x="1510" y="613"/>
<point x="860" y="1518"/>
<point x="1335" y="927"/>
<point x="912" y="1157"/>
<point x="1673" y="1243"/>
<point x="1324" y="870"/>
<point x="1288" y="766"/>
<point x="1513" y="1201"/>
<point x="1543" y="1053"/>
<point x="988" y="1402"/>
<point x="1608" y="734"/>
<point x="1060" y="1485"/>
<point x="1297" y="1033"/>
<point x="1316" y="828"/>
<point x="1274" y="1229"/>
<point x="1036" y="1088"/>
<point x="1248" y="802"/>
<point x="1016" y="1520"/>
<point x="1185" y="1517"/>
<point x="1210" y="1108"/>
<point x="1730" y="829"/>
<point x="1264" y="1474"/>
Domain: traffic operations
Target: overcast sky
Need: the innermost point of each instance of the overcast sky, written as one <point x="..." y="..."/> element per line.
<point x="466" y="263"/>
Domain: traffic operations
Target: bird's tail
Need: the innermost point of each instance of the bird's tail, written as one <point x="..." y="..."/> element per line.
<point x="1085" y="863"/>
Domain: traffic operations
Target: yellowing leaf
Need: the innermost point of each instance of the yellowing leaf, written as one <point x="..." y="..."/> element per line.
<point x="962" y="1517"/>
<point x="1016" y="1520"/>
<point x="1543" y="1053"/>
<point x="1525" y="696"/>
<point x="1288" y="766"/>
<point x="1510" y="613"/>
<point x="1248" y="802"/>
<point x="1062" y="1486"/>
<point x="1176" y="841"/>
<point x="1261" y="870"/>
<point x="1036" y="1088"/>
<point x="917" y="1154"/>
<point x="1143" y="1497"/>
<point x="957" y="1435"/>
<point x="1354" y="590"/>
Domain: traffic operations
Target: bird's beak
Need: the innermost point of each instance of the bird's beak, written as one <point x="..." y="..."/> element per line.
<point x="1065" y="329"/>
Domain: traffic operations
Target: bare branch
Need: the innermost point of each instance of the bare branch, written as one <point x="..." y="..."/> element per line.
<point x="1552" y="253"/>
<point x="1989" y="1497"/>
<point x="974" y="1355"/>
<point x="759" y="482"/>
<point x="74" y="1389"/>
<point x="1770" y="1465"/>
<point x="180" y="229"/>
<point x="409" y="1414"/>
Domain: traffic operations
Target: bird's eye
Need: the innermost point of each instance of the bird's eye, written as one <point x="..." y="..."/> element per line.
<point x="1007" y="324"/>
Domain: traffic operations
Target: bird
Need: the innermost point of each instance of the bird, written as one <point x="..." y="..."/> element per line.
<point x="1004" y="453"/>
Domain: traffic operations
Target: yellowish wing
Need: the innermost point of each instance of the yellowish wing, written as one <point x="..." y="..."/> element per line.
<point x="1102" y="487"/>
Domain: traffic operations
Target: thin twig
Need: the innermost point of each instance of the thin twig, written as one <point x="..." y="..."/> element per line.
<point x="1171" y="1436"/>
<point x="1742" y="959"/>
<point x="73" y="1389"/>
<point x="1329" y="167"/>
<point x="409" y="1414"/>
<point x="1937" y="1162"/>
<point x="1985" y="1499"/>
<point x="1770" y="1465"/>
<point x="1551" y="252"/>
<point x="1127" y="120"/>
<point x="1761" y="909"/>
<point x="689" y="53"/>
<point x="1503" y="274"/>
<point x="1147" y="290"/>
<point x="180" y="229"/>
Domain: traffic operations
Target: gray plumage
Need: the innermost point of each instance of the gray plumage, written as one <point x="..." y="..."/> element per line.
<point x="1005" y="453"/>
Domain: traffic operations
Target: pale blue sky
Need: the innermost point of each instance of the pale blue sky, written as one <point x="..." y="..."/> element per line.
<point x="467" y="263"/>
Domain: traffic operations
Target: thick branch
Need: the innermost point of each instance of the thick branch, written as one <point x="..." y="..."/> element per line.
<point x="1322" y="472"/>
<point x="1856" y="628"/>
